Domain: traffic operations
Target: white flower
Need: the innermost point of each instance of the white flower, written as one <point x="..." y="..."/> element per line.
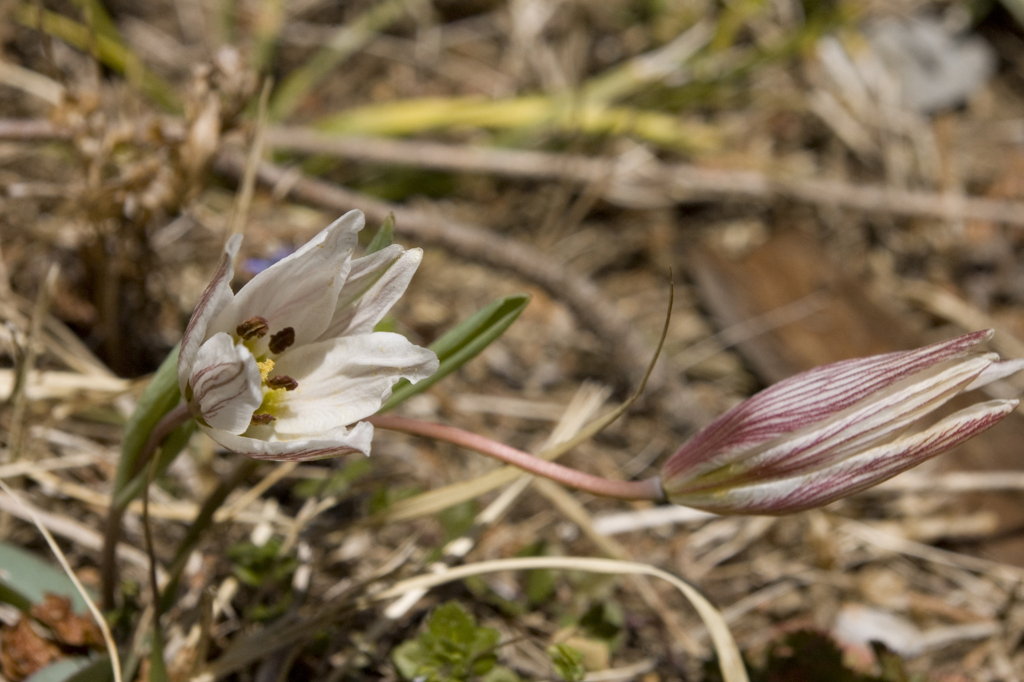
<point x="287" y="368"/>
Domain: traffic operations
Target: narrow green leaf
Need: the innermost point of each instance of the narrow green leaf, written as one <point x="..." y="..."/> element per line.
<point x="158" y="398"/>
<point x="9" y="595"/>
<point x="101" y="671"/>
<point x="157" y="666"/>
<point x="348" y="40"/>
<point x="464" y="342"/>
<point x="384" y="236"/>
<point x="31" y="578"/>
<point x="171" y="448"/>
<point x="110" y="50"/>
<point x="62" y="670"/>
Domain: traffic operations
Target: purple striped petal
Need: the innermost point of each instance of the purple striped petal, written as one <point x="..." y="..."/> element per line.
<point x="857" y="473"/>
<point x="334" y="443"/>
<point x="866" y="424"/>
<point x="214" y="299"/>
<point x="802" y="402"/>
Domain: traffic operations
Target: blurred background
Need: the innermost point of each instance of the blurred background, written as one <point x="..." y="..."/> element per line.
<point x="819" y="179"/>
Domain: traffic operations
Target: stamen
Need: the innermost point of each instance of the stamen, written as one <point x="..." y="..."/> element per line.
<point x="280" y="341"/>
<point x="282" y="381"/>
<point x="259" y="419"/>
<point x="266" y="367"/>
<point x="255" y="327"/>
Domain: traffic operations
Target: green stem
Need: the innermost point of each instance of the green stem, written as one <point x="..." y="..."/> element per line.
<point x="108" y="562"/>
<point x="204" y="520"/>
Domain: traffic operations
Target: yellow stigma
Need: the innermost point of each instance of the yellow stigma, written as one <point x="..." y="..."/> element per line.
<point x="266" y="367"/>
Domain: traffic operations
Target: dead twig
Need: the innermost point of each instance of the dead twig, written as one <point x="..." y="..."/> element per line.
<point x="641" y="182"/>
<point x="648" y="182"/>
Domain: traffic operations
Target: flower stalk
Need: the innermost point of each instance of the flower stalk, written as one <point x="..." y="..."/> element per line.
<point x="648" y="489"/>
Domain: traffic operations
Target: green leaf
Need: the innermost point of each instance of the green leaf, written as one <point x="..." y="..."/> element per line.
<point x="408" y="658"/>
<point x="384" y="235"/>
<point x="457" y="519"/>
<point x="101" y="671"/>
<point x="108" y="47"/>
<point x="61" y="670"/>
<point x="171" y="448"/>
<point x="602" y="620"/>
<point x="160" y="396"/>
<point x="568" y="662"/>
<point x="157" y="665"/>
<point x="31" y="578"/>
<point x="540" y="583"/>
<point x="464" y="342"/>
<point x="500" y="674"/>
<point x="345" y="42"/>
<point x="451" y="648"/>
<point x="451" y="623"/>
<point x="9" y="595"/>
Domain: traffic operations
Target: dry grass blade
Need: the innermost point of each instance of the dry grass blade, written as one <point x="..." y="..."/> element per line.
<point x="79" y="533"/>
<point x="19" y="394"/>
<point x="243" y="200"/>
<point x="729" y="657"/>
<point x="587" y="400"/>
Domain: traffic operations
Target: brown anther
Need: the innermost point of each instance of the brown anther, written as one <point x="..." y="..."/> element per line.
<point x="282" y="340"/>
<point x="255" y="327"/>
<point x="262" y="419"/>
<point x="282" y="381"/>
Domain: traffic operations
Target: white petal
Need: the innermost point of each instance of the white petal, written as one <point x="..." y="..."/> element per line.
<point x="344" y="380"/>
<point x="214" y="299"/>
<point x="299" y="291"/>
<point x="996" y="371"/>
<point x="225" y="383"/>
<point x="375" y="283"/>
<point x="334" y="443"/>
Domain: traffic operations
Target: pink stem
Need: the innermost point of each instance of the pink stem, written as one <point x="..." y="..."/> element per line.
<point x="648" y="489"/>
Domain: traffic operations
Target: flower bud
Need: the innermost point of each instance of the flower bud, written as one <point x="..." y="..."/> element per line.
<point x="835" y="430"/>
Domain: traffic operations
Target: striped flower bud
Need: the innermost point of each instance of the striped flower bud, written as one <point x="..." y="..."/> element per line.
<point x="835" y="430"/>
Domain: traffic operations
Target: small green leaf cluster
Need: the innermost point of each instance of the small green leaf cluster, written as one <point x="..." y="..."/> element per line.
<point x="452" y="647"/>
<point x="264" y="568"/>
<point x="568" y="662"/>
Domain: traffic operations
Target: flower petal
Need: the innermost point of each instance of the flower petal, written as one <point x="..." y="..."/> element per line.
<point x="217" y="295"/>
<point x="225" y="386"/>
<point x="375" y="283"/>
<point x="996" y="371"/>
<point x="805" y="399"/>
<point x="347" y="379"/>
<point x="299" y="291"/>
<point x="864" y="425"/>
<point x="797" y="493"/>
<point x="334" y="443"/>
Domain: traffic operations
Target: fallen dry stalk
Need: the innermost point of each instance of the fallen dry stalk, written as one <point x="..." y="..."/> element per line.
<point x="648" y="182"/>
<point x="642" y="182"/>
